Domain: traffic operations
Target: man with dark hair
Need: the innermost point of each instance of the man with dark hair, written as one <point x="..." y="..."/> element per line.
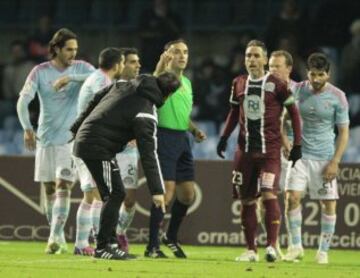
<point x="257" y="101"/>
<point x="118" y="114"/>
<point x="111" y="64"/>
<point x="176" y="159"/>
<point x="57" y="83"/>
<point x="128" y="159"/>
<point x="322" y="106"/>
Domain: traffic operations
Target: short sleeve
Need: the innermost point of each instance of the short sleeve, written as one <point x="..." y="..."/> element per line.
<point x="342" y="110"/>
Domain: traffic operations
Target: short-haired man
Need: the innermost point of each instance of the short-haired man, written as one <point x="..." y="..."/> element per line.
<point x="118" y="114"/>
<point x="128" y="159"/>
<point x="323" y="107"/>
<point x="281" y="64"/>
<point x="175" y="155"/>
<point x="57" y="83"/>
<point x="111" y="64"/>
<point x="257" y="103"/>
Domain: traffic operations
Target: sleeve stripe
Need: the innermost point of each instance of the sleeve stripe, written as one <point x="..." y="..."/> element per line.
<point x="289" y="100"/>
<point x="146" y="115"/>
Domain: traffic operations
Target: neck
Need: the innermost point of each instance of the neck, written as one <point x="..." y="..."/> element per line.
<point x="178" y="72"/>
<point x="57" y="63"/>
<point x="109" y="73"/>
<point x="124" y="77"/>
<point x="257" y="75"/>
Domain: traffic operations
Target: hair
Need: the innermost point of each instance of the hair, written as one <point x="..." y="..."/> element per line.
<point x="109" y="57"/>
<point x="168" y="83"/>
<point x="170" y="43"/>
<point x="283" y="53"/>
<point x="128" y="51"/>
<point x="318" y="61"/>
<point x="59" y="40"/>
<point x="258" y="44"/>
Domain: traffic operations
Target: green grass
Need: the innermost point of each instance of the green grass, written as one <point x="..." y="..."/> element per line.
<point x="26" y="259"/>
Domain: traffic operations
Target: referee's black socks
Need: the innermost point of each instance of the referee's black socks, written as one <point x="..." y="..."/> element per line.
<point x="156" y="219"/>
<point x="178" y="212"/>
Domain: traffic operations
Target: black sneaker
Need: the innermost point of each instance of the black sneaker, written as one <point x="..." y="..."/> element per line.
<point x="155" y="254"/>
<point x="111" y="253"/>
<point x="174" y="247"/>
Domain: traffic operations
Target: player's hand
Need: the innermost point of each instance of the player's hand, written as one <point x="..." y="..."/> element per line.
<point x="295" y="154"/>
<point x="61" y="83"/>
<point x="330" y="171"/>
<point x="159" y="201"/>
<point x="221" y="147"/>
<point x="199" y="135"/>
<point x="30" y="139"/>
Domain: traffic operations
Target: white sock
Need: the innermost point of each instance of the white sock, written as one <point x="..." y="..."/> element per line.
<point x="60" y="214"/>
<point x="49" y="204"/>
<point x="327" y="231"/>
<point x="294" y="218"/>
<point x="83" y="225"/>
<point x="125" y="219"/>
<point x="95" y="215"/>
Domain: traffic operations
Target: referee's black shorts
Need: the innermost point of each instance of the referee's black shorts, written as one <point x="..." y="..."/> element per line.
<point x="175" y="155"/>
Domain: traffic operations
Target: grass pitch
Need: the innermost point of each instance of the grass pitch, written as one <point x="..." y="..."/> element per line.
<point x="27" y="259"/>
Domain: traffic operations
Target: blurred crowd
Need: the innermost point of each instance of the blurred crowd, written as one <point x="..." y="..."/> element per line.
<point x="300" y="27"/>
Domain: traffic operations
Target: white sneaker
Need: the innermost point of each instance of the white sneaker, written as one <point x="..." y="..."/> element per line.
<point x="279" y="253"/>
<point x="270" y="254"/>
<point x="248" y="256"/>
<point x="322" y="257"/>
<point x="294" y="253"/>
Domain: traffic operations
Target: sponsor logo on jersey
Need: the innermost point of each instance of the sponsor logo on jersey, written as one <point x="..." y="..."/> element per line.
<point x="253" y="107"/>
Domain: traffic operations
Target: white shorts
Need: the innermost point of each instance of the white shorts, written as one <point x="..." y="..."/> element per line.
<point x="54" y="162"/>
<point x="307" y="174"/>
<point x="285" y="173"/>
<point x="128" y="164"/>
<point x="87" y="182"/>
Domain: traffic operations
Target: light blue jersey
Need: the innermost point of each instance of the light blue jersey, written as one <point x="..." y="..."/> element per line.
<point x="320" y="112"/>
<point x="94" y="83"/>
<point x="57" y="109"/>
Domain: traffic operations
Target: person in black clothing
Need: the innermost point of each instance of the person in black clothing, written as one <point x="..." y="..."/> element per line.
<point x="118" y="114"/>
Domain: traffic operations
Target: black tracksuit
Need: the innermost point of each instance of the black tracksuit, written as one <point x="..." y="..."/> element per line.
<point x="118" y="114"/>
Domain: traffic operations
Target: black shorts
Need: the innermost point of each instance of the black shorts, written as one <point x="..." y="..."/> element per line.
<point x="175" y="155"/>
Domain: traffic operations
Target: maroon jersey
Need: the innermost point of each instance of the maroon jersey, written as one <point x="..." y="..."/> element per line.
<point x="260" y="103"/>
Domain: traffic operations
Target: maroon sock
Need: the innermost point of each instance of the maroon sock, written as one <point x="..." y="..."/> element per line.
<point x="272" y="220"/>
<point x="249" y="222"/>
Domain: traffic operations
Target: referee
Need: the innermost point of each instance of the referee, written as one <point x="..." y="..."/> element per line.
<point x="174" y="152"/>
<point x="118" y="114"/>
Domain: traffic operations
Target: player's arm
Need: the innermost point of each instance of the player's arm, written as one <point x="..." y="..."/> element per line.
<point x="331" y="170"/>
<point x="196" y="132"/>
<point x="342" y="123"/>
<point x="288" y="100"/>
<point x="85" y="69"/>
<point x="90" y="107"/>
<point x="145" y="129"/>
<point x="285" y="142"/>
<point x="27" y="94"/>
<point x="231" y="122"/>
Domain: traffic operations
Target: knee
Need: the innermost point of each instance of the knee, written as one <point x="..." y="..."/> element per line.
<point x="293" y="201"/>
<point x="49" y="189"/>
<point x="129" y="202"/>
<point x="187" y="199"/>
<point x="62" y="184"/>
